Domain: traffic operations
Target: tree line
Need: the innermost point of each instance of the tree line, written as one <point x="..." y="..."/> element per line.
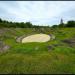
<point x="7" y="24"/>
<point x="70" y="24"/>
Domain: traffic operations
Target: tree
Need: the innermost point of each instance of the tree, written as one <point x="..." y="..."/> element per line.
<point x="54" y="26"/>
<point x="0" y="20"/>
<point x="70" y="23"/>
<point x="28" y="24"/>
<point x="61" y="23"/>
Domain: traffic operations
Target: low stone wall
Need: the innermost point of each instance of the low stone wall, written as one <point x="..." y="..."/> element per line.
<point x="19" y="39"/>
<point x="52" y="36"/>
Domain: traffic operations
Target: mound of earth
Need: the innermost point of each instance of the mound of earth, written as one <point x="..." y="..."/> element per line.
<point x="36" y="38"/>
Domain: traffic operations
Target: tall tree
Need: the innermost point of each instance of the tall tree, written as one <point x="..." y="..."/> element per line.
<point x="70" y="23"/>
<point x="0" y="20"/>
<point x="29" y="25"/>
<point x="61" y="23"/>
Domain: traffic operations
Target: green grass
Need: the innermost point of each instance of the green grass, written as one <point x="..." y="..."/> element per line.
<point x="25" y="58"/>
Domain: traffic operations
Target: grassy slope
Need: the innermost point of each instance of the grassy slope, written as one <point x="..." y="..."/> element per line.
<point x="24" y="58"/>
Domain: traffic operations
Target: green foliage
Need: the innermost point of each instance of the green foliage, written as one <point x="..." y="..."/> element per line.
<point x="29" y="25"/>
<point x="0" y="20"/>
<point x="34" y="58"/>
<point x="4" y="24"/>
<point x="70" y="24"/>
<point x="61" y="25"/>
<point x="54" y="26"/>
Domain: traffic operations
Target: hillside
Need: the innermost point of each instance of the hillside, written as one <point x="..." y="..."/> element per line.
<point x="55" y="56"/>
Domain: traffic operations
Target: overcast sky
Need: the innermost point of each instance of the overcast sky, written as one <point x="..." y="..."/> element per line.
<point x="37" y="12"/>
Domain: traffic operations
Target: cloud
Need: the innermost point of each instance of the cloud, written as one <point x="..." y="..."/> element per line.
<point x="37" y="12"/>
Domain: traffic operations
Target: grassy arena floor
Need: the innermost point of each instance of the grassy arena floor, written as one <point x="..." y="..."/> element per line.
<point x="35" y="58"/>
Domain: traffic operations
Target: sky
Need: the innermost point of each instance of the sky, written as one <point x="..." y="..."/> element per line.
<point x="37" y="12"/>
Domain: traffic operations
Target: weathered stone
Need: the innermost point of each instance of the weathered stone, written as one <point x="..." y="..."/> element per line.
<point x="52" y="36"/>
<point x="71" y="42"/>
<point x="3" y="47"/>
<point x="6" y="47"/>
<point x="50" y="48"/>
